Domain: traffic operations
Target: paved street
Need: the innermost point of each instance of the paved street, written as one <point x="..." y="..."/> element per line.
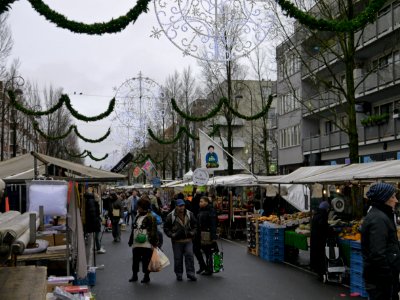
<point x="245" y="277"/>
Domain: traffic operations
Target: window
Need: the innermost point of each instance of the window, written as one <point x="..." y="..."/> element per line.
<point x="289" y="137"/>
<point x="289" y="102"/>
<point x="328" y="127"/>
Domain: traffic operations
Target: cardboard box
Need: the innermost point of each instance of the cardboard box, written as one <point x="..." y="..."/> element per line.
<point x="52" y="285"/>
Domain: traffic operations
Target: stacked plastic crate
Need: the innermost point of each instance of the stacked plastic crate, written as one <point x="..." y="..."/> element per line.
<point x="272" y="243"/>
<point x="357" y="284"/>
<point x="252" y="235"/>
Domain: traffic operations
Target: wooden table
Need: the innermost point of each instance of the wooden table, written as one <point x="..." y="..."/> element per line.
<point x="23" y="283"/>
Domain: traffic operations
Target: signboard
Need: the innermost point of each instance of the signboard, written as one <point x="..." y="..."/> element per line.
<point x="122" y="163"/>
<point x="200" y="176"/>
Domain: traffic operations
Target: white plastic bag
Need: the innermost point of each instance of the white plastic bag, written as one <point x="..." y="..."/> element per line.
<point x="158" y="261"/>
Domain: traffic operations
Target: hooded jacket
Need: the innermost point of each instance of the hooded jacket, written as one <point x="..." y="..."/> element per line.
<point x="380" y="245"/>
<point x="178" y="230"/>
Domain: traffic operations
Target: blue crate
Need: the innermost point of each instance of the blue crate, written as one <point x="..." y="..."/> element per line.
<point x="359" y="289"/>
<point x="280" y="239"/>
<point x="273" y="258"/>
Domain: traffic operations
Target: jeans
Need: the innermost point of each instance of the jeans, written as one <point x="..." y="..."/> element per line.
<point x="198" y="254"/>
<point x="97" y="240"/>
<point x="182" y="250"/>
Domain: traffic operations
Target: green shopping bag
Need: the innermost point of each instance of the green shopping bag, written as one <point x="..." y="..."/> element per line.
<point x="218" y="261"/>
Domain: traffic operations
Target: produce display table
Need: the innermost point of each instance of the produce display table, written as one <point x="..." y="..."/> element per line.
<point x="23" y="283"/>
<point x="296" y="240"/>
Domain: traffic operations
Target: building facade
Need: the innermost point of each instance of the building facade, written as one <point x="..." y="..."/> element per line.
<point x="312" y="110"/>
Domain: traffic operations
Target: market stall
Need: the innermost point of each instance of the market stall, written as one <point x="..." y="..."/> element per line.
<point x="64" y="243"/>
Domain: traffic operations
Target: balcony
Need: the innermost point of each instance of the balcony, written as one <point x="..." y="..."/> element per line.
<point x="320" y="102"/>
<point x="382" y="78"/>
<point x="366" y="135"/>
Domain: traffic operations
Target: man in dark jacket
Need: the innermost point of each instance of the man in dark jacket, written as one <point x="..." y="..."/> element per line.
<point x="181" y="225"/>
<point x="206" y="235"/>
<point x="93" y="220"/>
<point x="380" y="245"/>
<point x="319" y="234"/>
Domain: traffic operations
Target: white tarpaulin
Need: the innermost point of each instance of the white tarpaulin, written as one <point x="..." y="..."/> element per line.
<point x="305" y="172"/>
<point x="365" y="171"/>
<point x="298" y="195"/>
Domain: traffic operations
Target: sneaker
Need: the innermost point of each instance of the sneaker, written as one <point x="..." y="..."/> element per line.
<point x="201" y="270"/>
<point x="101" y="251"/>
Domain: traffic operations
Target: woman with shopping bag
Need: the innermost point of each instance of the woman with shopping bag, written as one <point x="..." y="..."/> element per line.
<point x="143" y="239"/>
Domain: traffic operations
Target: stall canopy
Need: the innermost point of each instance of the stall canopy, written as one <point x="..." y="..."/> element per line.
<point x="357" y="172"/>
<point x="303" y="172"/>
<point x="21" y="168"/>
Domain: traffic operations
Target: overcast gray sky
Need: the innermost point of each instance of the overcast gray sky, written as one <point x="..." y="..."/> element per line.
<point x="91" y="65"/>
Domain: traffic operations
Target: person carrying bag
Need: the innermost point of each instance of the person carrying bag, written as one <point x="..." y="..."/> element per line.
<point x="143" y="240"/>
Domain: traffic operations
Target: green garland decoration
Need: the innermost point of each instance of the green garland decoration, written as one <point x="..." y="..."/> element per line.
<point x="181" y="131"/>
<point x="63" y="136"/>
<point x="211" y="114"/>
<point x="368" y="15"/>
<point x="63" y="99"/>
<point x="52" y="138"/>
<point x="80" y="155"/>
<point x="112" y="26"/>
<point x="94" y="140"/>
<point x="95" y="158"/>
<point x="5" y="5"/>
<point x="254" y="117"/>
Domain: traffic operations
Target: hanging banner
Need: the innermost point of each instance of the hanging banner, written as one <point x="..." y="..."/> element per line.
<point x="137" y="172"/>
<point x="212" y="157"/>
<point x="148" y="169"/>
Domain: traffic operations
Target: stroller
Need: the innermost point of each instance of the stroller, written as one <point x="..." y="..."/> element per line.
<point x="335" y="269"/>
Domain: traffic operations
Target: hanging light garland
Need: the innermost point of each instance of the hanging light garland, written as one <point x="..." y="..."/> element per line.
<point x="368" y="15"/>
<point x="216" y="110"/>
<point x="84" y="154"/>
<point x="63" y="99"/>
<point x="112" y="26"/>
<point x="71" y="128"/>
<point x="181" y="131"/>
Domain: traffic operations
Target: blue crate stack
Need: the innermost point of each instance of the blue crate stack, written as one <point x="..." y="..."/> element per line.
<point x="357" y="284"/>
<point x="271" y="242"/>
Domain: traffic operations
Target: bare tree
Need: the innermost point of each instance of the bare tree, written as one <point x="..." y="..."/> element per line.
<point x="6" y="44"/>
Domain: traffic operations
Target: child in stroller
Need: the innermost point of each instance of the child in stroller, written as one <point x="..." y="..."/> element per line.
<point x="335" y="269"/>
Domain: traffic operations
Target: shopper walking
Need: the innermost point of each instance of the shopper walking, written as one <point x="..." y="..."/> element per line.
<point x="206" y="235"/>
<point x="93" y="219"/>
<point x="180" y="225"/>
<point x="116" y="214"/>
<point x="142" y="239"/>
<point x="319" y="234"/>
<point x="380" y="245"/>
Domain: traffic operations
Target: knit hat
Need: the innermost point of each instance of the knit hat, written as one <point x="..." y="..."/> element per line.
<point x="324" y="205"/>
<point x="380" y="192"/>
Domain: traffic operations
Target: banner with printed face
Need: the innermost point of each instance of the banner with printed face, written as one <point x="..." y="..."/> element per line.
<point x="212" y="156"/>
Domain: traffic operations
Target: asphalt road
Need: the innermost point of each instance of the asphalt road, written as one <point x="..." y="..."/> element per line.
<point x="245" y="277"/>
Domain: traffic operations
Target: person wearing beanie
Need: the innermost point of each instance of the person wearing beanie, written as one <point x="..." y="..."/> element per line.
<point x="380" y="245"/>
<point x="319" y="233"/>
